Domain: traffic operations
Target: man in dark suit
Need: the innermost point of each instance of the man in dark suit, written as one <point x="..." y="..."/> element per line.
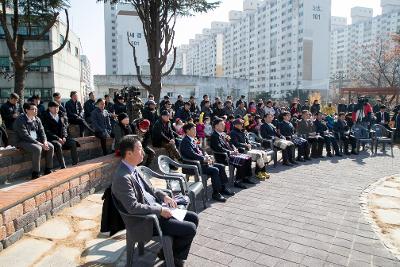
<point x="322" y="129"/>
<point x="342" y="131"/>
<point x="74" y="112"/>
<point x="55" y="127"/>
<point x="383" y="117"/>
<point x="136" y="195"/>
<point x="220" y="143"/>
<point x="191" y="151"/>
<point x="184" y="112"/>
<point x="269" y="132"/>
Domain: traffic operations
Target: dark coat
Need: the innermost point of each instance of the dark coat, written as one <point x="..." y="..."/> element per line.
<point x="178" y="104"/>
<point x="183" y="114"/>
<point x="320" y="127"/>
<point x="150" y="115"/>
<point x="101" y="122"/>
<point x="53" y="129"/>
<point x="268" y="131"/>
<point x="120" y="131"/>
<point x="7" y="111"/>
<point x="120" y="108"/>
<point x="3" y="136"/>
<point x="74" y="110"/>
<point x="191" y="151"/>
<point x="111" y="220"/>
<point x="219" y="144"/>
<point x="239" y="139"/>
<point x="161" y="133"/>
<point x="286" y="129"/>
<point x="88" y="107"/>
<point x="340" y="127"/>
<point x="315" y="108"/>
<point x="386" y="117"/>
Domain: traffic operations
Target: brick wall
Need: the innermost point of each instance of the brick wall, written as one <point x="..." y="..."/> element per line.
<point x="17" y="163"/>
<point x="30" y="204"/>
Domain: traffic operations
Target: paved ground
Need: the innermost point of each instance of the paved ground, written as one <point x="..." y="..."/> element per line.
<point x="307" y="215"/>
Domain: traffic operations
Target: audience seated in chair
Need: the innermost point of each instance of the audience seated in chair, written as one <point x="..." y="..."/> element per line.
<point x="220" y="143"/>
<point x="240" y="141"/>
<point x="342" y="132"/>
<point x="190" y="150"/>
<point x="101" y="124"/>
<point x="269" y="132"/>
<point x="306" y="129"/>
<point x="330" y="142"/>
<point x="136" y="195"/>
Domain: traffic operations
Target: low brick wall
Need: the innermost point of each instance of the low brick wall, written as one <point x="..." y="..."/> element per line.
<point x="30" y="204"/>
<point x="17" y="163"/>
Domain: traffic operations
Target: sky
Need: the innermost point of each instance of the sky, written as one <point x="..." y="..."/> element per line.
<point x="87" y="22"/>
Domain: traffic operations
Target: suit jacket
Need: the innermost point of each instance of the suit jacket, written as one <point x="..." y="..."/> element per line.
<point x="191" y="151"/>
<point x="386" y="117"/>
<point x="219" y="144"/>
<point x="74" y="109"/>
<point x="101" y="121"/>
<point x="239" y="140"/>
<point x="268" y="131"/>
<point x="88" y="107"/>
<point x="7" y="111"/>
<point x="130" y="199"/>
<point x="161" y="133"/>
<point x="53" y="129"/>
<point x="305" y="127"/>
<point x="286" y="129"/>
<point x="340" y="127"/>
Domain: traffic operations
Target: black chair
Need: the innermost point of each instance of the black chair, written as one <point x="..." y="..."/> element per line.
<point x="193" y="189"/>
<point x="131" y="236"/>
<point x="363" y="136"/>
<point x="230" y="166"/>
<point x="382" y="136"/>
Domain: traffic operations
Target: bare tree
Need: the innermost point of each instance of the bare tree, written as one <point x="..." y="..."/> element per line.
<point x="159" y="19"/>
<point x="29" y="20"/>
<point x="378" y="66"/>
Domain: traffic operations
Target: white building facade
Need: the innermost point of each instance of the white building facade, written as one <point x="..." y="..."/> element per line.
<point x="278" y="45"/>
<point x="86" y="76"/>
<point x="60" y="73"/>
<point x="348" y="42"/>
<point x="122" y="24"/>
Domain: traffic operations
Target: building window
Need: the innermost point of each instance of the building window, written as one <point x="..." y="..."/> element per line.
<point x="69" y="46"/>
<point x="76" y="51"/>
<point x="5" y="63"/>
<point x="43" y="65"/>
<point x="62" y="39"/>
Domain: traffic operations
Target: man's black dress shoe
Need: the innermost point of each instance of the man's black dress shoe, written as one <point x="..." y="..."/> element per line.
<point x="35" y="175"/>
<point x="301" y="159"/>
<point x="227" y="192"/>
<point x="286" y="163"/>
<point x="249" y="181"/>
<point x="354" y="152"/>
<point x="47" y="171"/>
<point x="293" y="162"/>
<point x="179" y="262"/>
<point x="218" y="197"/>
<point x="239" y="185"/>
<point x="307" y="158"/>
<point x="329" y="154"/>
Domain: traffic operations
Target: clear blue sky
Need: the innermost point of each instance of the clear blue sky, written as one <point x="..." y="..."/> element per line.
<point x="88" y="23"/>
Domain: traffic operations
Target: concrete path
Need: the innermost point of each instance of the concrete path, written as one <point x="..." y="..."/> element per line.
<point x="307" y="215"/>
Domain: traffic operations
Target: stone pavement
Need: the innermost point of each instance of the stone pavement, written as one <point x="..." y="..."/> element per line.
<point x="307" y="215"/>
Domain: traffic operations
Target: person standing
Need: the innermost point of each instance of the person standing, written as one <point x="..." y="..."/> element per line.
<point x="31" y="137"/>
<point x="55" y="127"/>
<point x="101" y="124"/>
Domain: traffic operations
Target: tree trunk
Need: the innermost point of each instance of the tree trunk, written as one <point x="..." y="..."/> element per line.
<point x="156" y="87"/>
<point x="19" y="82"/>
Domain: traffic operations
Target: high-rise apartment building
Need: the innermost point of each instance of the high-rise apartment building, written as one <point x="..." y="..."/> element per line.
<point x="349" y="42"/>
<point x="122" y="23"/>
<point x="278" y="45"/>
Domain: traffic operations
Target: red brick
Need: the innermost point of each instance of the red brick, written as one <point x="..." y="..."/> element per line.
<point x="98" y="173"/>
<point x="1" y="220"/>
<point x="85" y="178"/>
<point x="10" y="229"/>
<point x="40" y="199"/>
<point x="12" y="213"/>
<point x="29" y="205"/>
<point x="64" y="187"/>
<point x="74" y="182"/>
<point x="92" y="174"/>
<point x="48" y="195"/>
<point x="56" y="191"/>
<point x="3" y="232"/>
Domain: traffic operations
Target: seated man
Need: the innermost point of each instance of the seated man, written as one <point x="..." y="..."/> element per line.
<point x="190" y="150"/>
<point x="9" y="113"/>
<point x="240" y="140"/>
<point x="32" y="138"/>
<point x="163" y="136"/>
<point x="55" y="127"/>
<point x="342" y="131"/>
<point x="101" y="123"/>
<point x="135" y="195"/>
<point x="220" y="143"/>
<point x="383" y="117"/>
<point x="268" y="131"/>
<point x="305" y="128"/>
<point x="322" y="129"/>
<point x="74" y="112"/>
<point x="286" y="129"/>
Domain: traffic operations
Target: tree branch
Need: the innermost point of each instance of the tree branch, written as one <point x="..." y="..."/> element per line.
<point x="52" y="53"/>
<point x="172" y="66"/>
<point x="139" y="75"/>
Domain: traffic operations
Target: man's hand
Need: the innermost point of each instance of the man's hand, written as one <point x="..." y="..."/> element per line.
<point x="45" y="146"/>
<point x="61" y="141"/>
<point x="170" y="202"/>
<point x="166" y="213"/>
<point x="172" y="141"/>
